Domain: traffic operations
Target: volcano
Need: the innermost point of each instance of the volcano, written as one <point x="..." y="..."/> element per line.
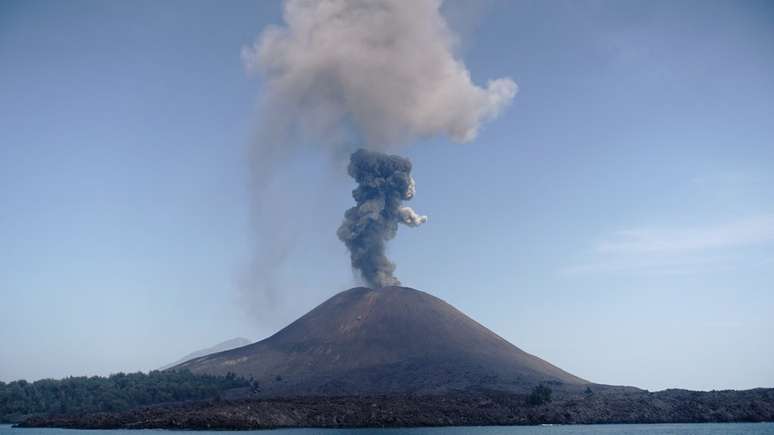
<point x="383" y="341"/>
<point x="398" y="357"/>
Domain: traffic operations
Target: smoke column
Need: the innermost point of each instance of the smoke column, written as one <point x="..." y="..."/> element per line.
<point x="339" y="75"/>
<point x="384" y="182"/>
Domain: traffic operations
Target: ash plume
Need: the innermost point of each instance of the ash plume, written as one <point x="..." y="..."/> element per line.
<point x="384" y="182"/>
<point x="342" y="74"/>
<point x="379" y="73"/>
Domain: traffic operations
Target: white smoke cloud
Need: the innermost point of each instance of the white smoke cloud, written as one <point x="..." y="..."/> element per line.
<point x="373" y="73"/>
<point x="409" y="217"/>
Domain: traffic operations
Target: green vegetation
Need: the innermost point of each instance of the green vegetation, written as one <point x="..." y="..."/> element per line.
<point x="539" y="395"/>
<point x="118" y="392"/>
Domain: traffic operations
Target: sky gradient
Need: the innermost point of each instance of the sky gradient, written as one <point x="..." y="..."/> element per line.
<point x="617" y="220"/>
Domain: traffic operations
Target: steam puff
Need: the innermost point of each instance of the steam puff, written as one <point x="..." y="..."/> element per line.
<point x="380" y="71"/>
<point x="409" y="217"/>
<point x="384" y="182"/>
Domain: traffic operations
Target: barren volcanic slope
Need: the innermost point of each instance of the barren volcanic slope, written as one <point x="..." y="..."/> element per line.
<point x="220" y="347"/>
<point x="389" y="340"/>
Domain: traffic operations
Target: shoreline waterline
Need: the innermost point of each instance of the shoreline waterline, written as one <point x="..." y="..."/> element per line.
<point x="762" y="428"/>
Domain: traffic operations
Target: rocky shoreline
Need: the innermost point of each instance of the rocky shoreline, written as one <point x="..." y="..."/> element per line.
<point x="451" y="409"/>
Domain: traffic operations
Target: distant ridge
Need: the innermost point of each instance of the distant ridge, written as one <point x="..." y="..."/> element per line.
<point x="220" y="347"/>
<point x="387" y="340"/>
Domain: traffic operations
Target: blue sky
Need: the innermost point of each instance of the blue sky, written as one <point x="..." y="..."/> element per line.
<point x="616" y="220"/>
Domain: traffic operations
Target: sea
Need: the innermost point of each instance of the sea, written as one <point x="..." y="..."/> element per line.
<point x="609" y="429"/>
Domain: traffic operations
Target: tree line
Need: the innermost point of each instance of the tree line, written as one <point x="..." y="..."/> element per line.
<point x="117" y="392"/>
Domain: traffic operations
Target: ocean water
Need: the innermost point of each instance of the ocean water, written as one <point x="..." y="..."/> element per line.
<point x="617" y="429"/>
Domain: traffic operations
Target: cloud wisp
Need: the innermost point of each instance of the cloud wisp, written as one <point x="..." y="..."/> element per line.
<point x="742" y="232"/>
<point x="676" y="250"/>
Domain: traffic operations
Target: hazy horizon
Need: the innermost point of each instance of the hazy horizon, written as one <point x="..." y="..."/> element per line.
<point x="617" y="220"/>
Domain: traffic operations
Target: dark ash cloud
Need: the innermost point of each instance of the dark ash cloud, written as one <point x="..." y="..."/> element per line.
<point x="384" y="182"/>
